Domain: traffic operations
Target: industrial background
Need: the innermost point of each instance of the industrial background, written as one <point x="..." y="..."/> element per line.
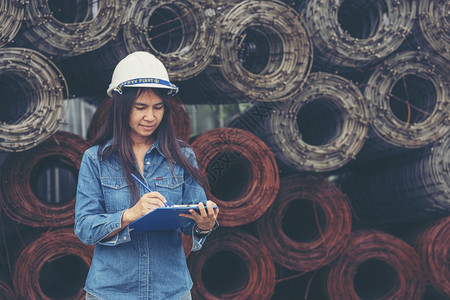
<point x="322" y="126"/>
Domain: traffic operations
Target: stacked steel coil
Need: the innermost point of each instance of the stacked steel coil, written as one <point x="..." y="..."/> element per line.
<point x="432" y="245"/>
<point x="181" y="33"/>
<point x="32" y="90"/>
<point x="308" y="225"/>
<point x="53" y="266"/>
<point x="182" y="121"/>
<point x="11" y="17"/>
<point x="409" y="102"/>
<point x="354" y="34"/>
<point x="62" y="30"/>
<point x="321" y="129"/>
<point x="433" y="27"/>
<point x="242" y="175"/>
<point x="5" y="291"/>
<point x="20" y="181"/>
<point x="232" y="265"/>
<point x="376" y="265"/>
<point x="264" y="54"/>
<point x="411" y="188"/>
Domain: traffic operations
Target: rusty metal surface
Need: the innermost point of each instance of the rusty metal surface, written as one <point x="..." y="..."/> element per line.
<point x="247" y="268"/>
<point x="308" y="225"/>
<point x="19" y="200"/>
<point x="242" y="175"/>
<point x="394" y="262"/>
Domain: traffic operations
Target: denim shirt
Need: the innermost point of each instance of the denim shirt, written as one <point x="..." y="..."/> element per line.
<point x="133" y="265"/>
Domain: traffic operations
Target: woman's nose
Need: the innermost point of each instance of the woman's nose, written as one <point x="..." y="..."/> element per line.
<point x="149" y="115"/>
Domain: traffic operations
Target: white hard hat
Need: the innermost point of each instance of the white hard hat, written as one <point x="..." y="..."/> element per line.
<point x="140" y="69"/>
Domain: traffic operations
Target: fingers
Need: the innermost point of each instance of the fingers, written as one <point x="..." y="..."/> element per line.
<point x="208" y="215"/>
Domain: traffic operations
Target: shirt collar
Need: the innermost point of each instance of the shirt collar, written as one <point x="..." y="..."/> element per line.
<point x="155" y="145"/>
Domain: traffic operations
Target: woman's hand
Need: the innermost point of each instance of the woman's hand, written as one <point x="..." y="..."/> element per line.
<point x="147" y="203"/>
<point x="206" y="218"/>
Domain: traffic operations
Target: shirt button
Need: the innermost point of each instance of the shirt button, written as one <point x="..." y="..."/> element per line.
<point x="147" y="163"/>
<point x="124" y="238"/>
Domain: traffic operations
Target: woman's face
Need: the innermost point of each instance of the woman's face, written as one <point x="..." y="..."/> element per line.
<point x="146" y="115"/>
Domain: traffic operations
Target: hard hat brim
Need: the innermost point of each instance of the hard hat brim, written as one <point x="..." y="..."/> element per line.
<point x="144" y="82"/>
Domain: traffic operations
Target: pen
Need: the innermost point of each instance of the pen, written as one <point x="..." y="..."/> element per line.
<point x="144" y="185"/>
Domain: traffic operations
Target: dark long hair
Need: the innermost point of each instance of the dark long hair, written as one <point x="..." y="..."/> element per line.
<point x="116" y="127"/>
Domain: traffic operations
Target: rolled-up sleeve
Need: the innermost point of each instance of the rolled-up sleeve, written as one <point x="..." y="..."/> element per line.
<point x="92" y="223"/>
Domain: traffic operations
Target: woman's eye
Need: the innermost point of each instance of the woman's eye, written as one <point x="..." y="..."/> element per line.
<point x="159" y="107"/>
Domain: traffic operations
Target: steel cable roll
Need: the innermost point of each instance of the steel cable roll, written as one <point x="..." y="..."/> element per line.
<point x="60" y="29"/>
<point x="265" y="54"/>
<point x="32" y="90"/>
<point x="181" y="33"/>
<point x="352" y="33"/>
<point x="433" y="27"/>
<point x="52" y="266"/>
<point x="38" y="186"/>
<point x="408" y="101"/>
<point x="232" y="265"/>
<point x="11" y="17"/>
<point x="308" y="225"/>
<point x="321" y="129"/>
<point x="181" y="118"/>
<point x="241" y="172"/>
<point x="432" y="247"/>
<point x="5" y="291"/>
<point x="395" y="263"/>
<point x="410" y="188"/>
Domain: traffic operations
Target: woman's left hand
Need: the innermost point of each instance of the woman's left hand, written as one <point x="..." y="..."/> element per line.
<point x="206" y="218"/>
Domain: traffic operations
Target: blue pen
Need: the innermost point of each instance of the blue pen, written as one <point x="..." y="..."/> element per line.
<point x="145" y="186"/>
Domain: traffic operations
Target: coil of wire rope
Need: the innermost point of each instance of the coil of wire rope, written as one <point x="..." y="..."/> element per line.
<point x="353" y="34"/>
<point x="11" y="17"/>
<point x="61" y="29"/>
<point x="241" y="174"/>
<point x="232" y="265"/>
<point x="180" y="118"/>
<point x="181" y="33"/>
<point x="376" y="265"/>
<point x="308" y="225"/>
<point x="409" y="103"/>
<point x="5" y="291"/>
<point x="38" y="185"/>
<point x="406" y="189"/>
<point x="432" y="246"/>
<point x="433" y="27"/>
<point x="264" y="54"/>
<point x="52" y="266"/>
<point x="321" y="129"/>
<point x="32" y="90"/>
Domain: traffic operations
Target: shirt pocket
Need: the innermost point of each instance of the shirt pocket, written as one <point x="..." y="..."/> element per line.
<point x="116" y="193"/>
<point x="171" y="187"/>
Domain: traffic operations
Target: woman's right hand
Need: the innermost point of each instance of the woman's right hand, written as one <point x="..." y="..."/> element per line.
<point x="147" y="203"/>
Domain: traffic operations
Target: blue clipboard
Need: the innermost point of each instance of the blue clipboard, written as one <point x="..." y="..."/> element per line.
<point x="163" y="219"/>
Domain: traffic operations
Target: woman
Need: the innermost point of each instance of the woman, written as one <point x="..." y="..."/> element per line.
<point x="139" y="139"/>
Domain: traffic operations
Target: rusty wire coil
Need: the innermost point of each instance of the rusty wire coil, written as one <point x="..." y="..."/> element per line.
<point x="52" y="266"/>
<point x="433" y="27"/>
<point x="62" y="30"/>
<point x="33" y="90"/>
<point x="241" y="172"/>
<point x="183" y="34"/>
<point x="376" y="265"/>
<point x="321" y="129"/>
<point x="308" y="225"/>
<point x="232" y="265"/>
<point x="409" y="102"/>
<point x="5" y="291"/>
<point x="25" y="174"/>
<point x="432" y="245"/>
<point x="265" y="54"/>
<point x="352" y="34"/>
<point x="406" y="189"/>
<point x="11" y="17"/>
<point x="180" y="115"/>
